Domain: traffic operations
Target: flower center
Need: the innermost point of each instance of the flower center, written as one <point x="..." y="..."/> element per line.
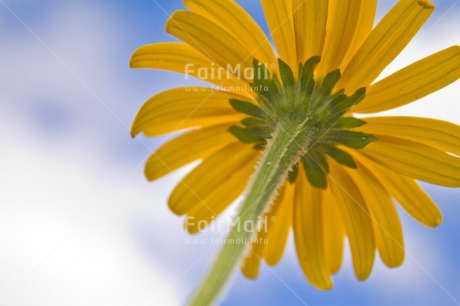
<point x="310" y="104"/>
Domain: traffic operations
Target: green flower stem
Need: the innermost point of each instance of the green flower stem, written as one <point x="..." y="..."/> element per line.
<point x="289" y="142"/>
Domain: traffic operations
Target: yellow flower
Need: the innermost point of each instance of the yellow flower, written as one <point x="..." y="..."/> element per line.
<point x="347" y="170"/>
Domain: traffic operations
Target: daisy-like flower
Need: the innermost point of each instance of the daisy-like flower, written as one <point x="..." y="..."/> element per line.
<point x="285" y="122"/>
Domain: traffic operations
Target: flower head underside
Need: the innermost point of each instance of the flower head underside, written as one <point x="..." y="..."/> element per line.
<point x="337" y="171"/>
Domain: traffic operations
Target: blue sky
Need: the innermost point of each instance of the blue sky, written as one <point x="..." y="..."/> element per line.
<point x="80" y="224"/>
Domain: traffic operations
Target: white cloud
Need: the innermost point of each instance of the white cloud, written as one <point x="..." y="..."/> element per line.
<point x="72" y="93"/>
<point x="66" y="237"/>
<point x="65" y="215"/>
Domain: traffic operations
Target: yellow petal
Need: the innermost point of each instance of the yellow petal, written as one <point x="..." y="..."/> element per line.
<point x="441" y="135"/>
<point x="310" y="19"/>
<point x="251" y="264"/>
<point x="413" y="82"/>
<point x="281" y="24"/>
<point x="260" y="245"/>
<point x="334" y="233"/>
<point x="211" y="40"/>
<point x="363" y="29"/>
<point x="218" y="199"/>
<point x="214" y="171"/>
<point x="278" y="232"/>
<point x="387" y="226"/>
<point x="407" y="193"/>
<point x="182" y="58"/>
<point x="187" y="148"/>
<point x="386" y="41"/>
<point x="341" y="25"/>
<point x="415" y="160"/>
<point x="236" y="21"/>
<point x="178" y="109"/>
<point x="356" y="220"/>
<point x="309" y="234"/>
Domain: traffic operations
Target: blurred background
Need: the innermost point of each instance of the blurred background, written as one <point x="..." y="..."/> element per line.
<point x="79" y="224"/>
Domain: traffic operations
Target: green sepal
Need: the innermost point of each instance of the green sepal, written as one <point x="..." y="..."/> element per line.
<point x="268" y="86"/>
<point x="352" y="139"/>
<point x="277" y="86"/>
<point x="260" y="146"/>
<point x="286" y="74"/>
<point x="292" y="176"/>
<point x="330" y="81"/>
<point x="330" y="111"/>
<point x="247" y="108"/>
<point x="338" y="93"/>
<point x="350" y="122"/>
<point x="306" y="76"/>
<point x="341" y="106"/>
<point x="251" y="122"/>
<point x="249" y="135"/>
<point x="316" y="170"/>
<point x="341" y="157"/>
<point x="261" y="73"/>
<point x="358" y="96"/>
